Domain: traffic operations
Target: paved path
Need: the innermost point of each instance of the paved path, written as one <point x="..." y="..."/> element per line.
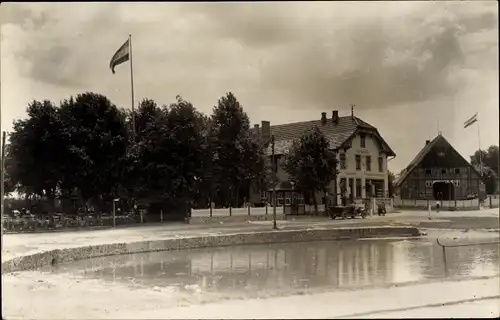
<point x="15" y="245"/>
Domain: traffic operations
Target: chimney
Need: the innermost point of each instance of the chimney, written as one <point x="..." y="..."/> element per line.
<point x="335" y="116"/>
<point x="256" y="129"/>
<point x="323" y="117"/>
<point x="265" y="132"/>
<point x="427" y="142"/>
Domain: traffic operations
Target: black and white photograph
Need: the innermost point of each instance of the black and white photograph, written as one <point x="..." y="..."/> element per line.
<point x="250" y="160"/>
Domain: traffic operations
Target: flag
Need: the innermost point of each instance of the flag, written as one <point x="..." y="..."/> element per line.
<point x="471" y="121"/>
<point x="121" y="56"/>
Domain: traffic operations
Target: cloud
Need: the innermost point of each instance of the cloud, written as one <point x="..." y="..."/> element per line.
<point x="284" y="61"/>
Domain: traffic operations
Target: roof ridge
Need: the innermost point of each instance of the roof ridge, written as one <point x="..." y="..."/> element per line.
<point x="419" y="156"/>
<point x="319" y="120"/>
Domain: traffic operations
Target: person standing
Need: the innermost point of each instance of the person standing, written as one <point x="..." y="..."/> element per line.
<point x="439" y="199"/>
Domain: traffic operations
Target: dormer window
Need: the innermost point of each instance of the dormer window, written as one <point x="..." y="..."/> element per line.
<point x="362" y="141"/>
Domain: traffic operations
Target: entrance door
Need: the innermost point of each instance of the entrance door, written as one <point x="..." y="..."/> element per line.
<point x="351" y="190"/>
<point x="443" y="190"/>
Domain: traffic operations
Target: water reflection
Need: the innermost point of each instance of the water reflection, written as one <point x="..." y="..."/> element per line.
<point x="291" y="266"/>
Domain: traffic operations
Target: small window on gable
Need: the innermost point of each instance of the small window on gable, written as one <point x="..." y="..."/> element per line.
<point x="428" y="172"/>
<point x="362" y="141"/>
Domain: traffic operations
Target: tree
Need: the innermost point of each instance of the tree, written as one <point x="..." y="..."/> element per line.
<point x="9" y="182"/>
<point x="166" y="161"/>
<point x="311" y="164"/>
<point x="96" y="142"/>
<point x="489" y="172"/>
<point x="36" y="151"/>
<point x="239" y="157"/>
<point x="136" y="183"/>
<point x="186" y="143"/>
<point x="391" y="178"/>
<point x="489" y="158"/>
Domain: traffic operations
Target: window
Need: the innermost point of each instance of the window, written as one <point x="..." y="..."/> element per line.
<point x="343" y="164"/>
<point x="280" y="196"/>
<point x="263" y="195"/>
<point x="428" y="183"/>
<point x="457" y="170"/>
<point x="362" y="141"/>
<point x="343" y="184"/>
<point x="380" y="164"/>
<point x="323" y="200"/>
<point x="358" y="162"/>
<point x="443" y="171"/>
<point x="368" y="163"/>
<point x="276" y="160"/>
<point x="428" y="172"/>
<point x="358" y="188"/>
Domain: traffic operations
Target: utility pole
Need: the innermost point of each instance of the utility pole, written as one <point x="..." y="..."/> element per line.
<point x="275" y="227"/>
<point x="2" y="181"/>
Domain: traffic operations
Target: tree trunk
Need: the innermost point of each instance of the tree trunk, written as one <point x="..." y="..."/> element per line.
<point x="237" y="197"/>
<point x="315" y="202"/>
<point x="335" y="191"/>
<point x="51" y="199"/>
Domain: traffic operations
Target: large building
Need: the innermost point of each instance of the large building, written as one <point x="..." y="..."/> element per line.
<point x="360" y="149"/>
<point x="439" y="172"/>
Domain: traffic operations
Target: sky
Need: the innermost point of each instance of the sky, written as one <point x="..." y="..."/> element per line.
<point x="410" y="68"/>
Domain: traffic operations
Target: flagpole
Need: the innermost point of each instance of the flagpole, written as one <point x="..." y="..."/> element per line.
<point x="132" y="83"/>
<point x="2" y="181"/>
<point x="479" y="146"/>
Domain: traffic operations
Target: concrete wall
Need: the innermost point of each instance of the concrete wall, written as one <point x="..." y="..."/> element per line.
<point x="64" y="255"/>
<point x="252" y="211"/>
<point x="236" y="218"/>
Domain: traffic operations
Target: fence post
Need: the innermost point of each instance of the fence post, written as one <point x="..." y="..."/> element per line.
<point x="373" y="204"/>
<point x="230" y="210"/>
<point x="266" y="207"/>
<point x="161" y="215"/>
<point x="114" y="214"/>
<point x="248" y="209"/>
<point x="445" y="264"/>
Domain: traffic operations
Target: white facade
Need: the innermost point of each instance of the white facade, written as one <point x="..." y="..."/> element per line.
<point x="349" y="172"/>
<point x="367" y="170"/>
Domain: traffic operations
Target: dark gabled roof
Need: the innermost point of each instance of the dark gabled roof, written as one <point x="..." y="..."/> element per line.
<point x="421" y="155"/>
<point x="418" y="158"/>
<point x="337" y="133"/>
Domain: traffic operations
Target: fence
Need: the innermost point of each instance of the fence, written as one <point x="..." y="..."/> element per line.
<point x="24" y="224"/>
<point x="444" y="204"/>
<point x="225" y="212"/>
<point x="492" y="201"/>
